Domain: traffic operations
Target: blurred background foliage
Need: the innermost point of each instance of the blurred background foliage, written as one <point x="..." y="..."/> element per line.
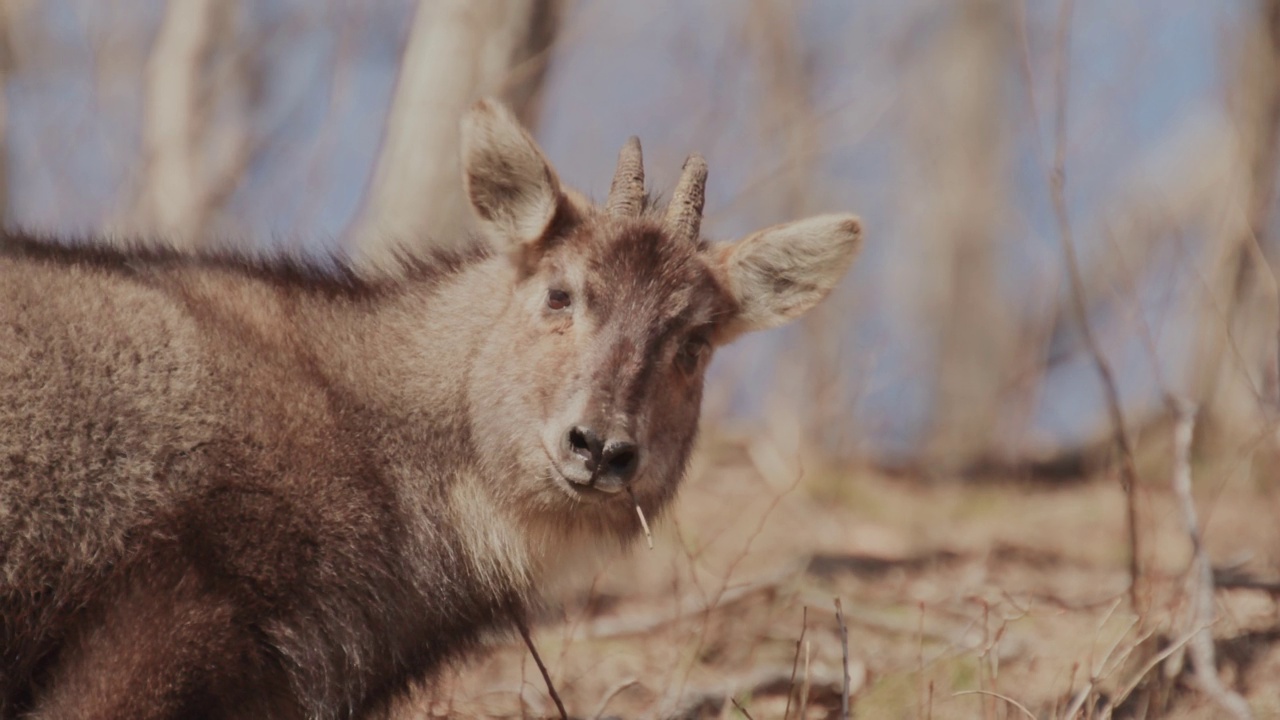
<point x="952" y="127"/>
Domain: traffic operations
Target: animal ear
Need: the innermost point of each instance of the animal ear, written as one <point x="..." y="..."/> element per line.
<point x="514" y="193"/>
<point x="780" y="272"/>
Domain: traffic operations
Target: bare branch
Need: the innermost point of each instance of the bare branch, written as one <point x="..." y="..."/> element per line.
<point x="1201" y="612"/>
<point x="844" y="647"/>
<point x="1005" y="698"/>
<point x="546" y="676"/>
<point x="1057" y="179"/>
<point x="795" y="662"/>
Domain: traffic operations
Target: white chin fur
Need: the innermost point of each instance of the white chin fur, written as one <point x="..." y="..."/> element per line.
<point x="539" y="557"/>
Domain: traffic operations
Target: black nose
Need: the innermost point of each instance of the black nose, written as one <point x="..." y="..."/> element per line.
<point x="621" y="458"/>
<point x="614" y="459"/>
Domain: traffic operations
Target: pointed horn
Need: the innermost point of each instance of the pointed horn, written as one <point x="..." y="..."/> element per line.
<point x="626" y="194"/>
<point x="684" y="212"/>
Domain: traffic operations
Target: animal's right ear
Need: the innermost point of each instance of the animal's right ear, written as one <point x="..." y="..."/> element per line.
<point x="777" y="274"/>
<point x="514" y="193"/>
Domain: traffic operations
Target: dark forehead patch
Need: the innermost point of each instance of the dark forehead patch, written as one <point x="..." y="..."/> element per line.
<point x="641" y="273"/>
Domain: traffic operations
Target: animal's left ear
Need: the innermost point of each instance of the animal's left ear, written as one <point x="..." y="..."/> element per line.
<point x="513" y="190"/>
<point x="780" y="272"/>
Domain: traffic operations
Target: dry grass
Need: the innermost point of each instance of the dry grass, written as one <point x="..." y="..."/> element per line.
<point x="961" y="601"/>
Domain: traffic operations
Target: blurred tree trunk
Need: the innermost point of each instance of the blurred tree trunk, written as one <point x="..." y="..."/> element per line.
<point x="790" y="135"/>
<point x="457" y="51"/>
<point x="11" y="18"/>
<point x="1234" y="371"/>
<point x="195" y="134"/>
<point x="7" y="62"/>
<point x="956" y="106"/>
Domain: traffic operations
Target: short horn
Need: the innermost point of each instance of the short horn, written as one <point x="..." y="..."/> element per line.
<point x="626" y="194"/>
<point x="684" y="212"/>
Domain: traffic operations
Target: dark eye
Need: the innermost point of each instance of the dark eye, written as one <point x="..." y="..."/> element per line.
<point x="557" y="299"/>
<point x="691" y="352"/>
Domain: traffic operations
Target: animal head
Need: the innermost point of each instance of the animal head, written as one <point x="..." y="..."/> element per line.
<point x="590" y="386"/>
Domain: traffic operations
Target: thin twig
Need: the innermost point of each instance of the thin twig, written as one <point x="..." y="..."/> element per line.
<point x="1200" y="648"/>
<point x="1097" y="667"/>
<point x="988" y="708"/>
<point x="612" y="693"/>
<point x="998" y="696"/>
<point x="1057" y="176"/>
<point x="795" y="662"/>
<point x="920" y="663"/>
<point x="844" y="648"/>
<point x="1122" y="659"/>
<point x="733" y="566"/>
<point x="546" y="676"/>
<point x="1123" y="693"/>
<point x="804" y="686"/>
<point x="1078" y="701"/>
<point x="740" y="708"/>
<point x="1071" y="682"/>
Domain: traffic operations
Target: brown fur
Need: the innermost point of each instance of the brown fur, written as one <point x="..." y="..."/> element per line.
<point x="245" y="488"/>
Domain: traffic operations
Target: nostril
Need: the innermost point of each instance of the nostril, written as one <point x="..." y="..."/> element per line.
<point x="578" y="441"/>
<point x="622" y="458"/>
<point x="623" y="463"/>
<point x="585" y="444"/>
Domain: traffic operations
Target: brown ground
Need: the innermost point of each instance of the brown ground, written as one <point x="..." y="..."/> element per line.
<point x="953" y="594"/>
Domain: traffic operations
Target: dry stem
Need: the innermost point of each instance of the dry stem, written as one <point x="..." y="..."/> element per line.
<point x="1079" y="305"/>
<point x="795" y="662"/>
<point x="804" y="686"/>
<point x="546" y="676"/>
<point x="1008" y="700"/>
<point x="844" y="648"/>
<point x="1200" y="647"/>
<point x="648" y="536"/>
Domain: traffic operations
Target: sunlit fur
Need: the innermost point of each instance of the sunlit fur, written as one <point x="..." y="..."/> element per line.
<point x="238" y="487"/>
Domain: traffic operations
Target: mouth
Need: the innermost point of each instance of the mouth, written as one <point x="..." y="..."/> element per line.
<point x="583" y="492"/>
<point x="592" y="491"/>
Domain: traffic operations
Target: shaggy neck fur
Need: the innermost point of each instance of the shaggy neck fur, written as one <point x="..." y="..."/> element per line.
<point x="238" y="387"/>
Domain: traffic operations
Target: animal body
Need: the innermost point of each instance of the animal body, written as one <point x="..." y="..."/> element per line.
<point x="235" y="487"/>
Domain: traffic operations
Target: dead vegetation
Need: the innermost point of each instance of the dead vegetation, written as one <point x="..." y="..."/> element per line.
<point x="986" y="599"/>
